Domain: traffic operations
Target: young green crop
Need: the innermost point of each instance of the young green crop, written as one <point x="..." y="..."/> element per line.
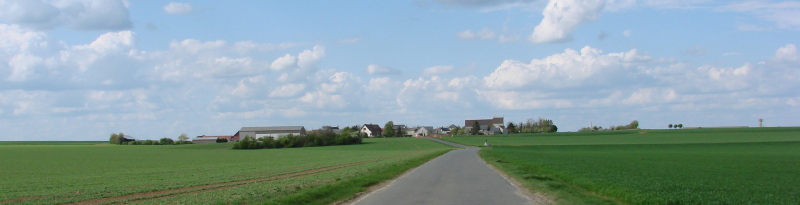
<point x="728" y="173"/>
<point x="208" y="173"/>
<point x="687" y="136"/>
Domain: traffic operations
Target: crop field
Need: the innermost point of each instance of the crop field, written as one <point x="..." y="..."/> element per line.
<point x="686" y="136"/>
<point x="202" y="173"/>
<point x="708" y="166"/>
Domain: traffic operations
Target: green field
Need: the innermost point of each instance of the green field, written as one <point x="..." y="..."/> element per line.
<point x="202" y="173"/>
<point x="686" y="136"/>
<point x="707" y="166"/>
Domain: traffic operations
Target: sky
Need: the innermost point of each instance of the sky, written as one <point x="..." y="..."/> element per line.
<point x="83" y="69"/>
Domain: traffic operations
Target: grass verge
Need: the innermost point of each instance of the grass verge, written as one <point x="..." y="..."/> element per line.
<point x="348" y="189"/>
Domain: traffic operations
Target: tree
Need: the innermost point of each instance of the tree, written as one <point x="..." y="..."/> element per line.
<point x="634" y="125"/>
<point x="476" y="127"/>
<point x="115" y="138"/>
<point x="670" y="126"/>
<point x="400" y="132"/>
<point x="183" y="137"/>
<point x="388" y="129"/>
<point x="511" y="128"/>
<point x="680" y="126"/>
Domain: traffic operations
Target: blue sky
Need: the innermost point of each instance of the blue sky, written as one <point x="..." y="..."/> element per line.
<point x="80" y="70"/>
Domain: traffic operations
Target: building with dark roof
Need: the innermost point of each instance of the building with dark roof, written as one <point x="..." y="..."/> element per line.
<point x="372" y="130"/>
<point x="276" y="132"/>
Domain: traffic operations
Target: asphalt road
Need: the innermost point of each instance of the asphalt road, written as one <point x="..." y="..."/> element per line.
<point x="458" y="177"/>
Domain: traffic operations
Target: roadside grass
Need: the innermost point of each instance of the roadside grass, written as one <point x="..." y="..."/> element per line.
<point x="201" y="173"/>
<point x="684" y="136"/>
<point x="726" y="173"/>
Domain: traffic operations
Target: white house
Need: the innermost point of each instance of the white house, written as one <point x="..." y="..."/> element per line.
<point x="423" y="131"/>
<point x="372" y="130"/>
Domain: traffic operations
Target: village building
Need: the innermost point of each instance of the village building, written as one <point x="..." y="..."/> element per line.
<point x="276" y="132"/>
<point x="487" y="126"/>
<point x="202" y="139"/>
<point x="423" y="131"/>
<point x="372" y="130"/>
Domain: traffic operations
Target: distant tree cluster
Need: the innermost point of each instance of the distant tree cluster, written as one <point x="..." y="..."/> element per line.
<point x="676" y="126"/>
<point x="631" y="126"/>
<point x="119" y="139"/>
<point x="321" y="138"/>
<point x="541" y="125"/>
<point x="116" y="138"/>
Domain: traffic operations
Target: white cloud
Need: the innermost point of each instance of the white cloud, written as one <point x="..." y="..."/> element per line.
<point x="562" y="17"/>
<point x="284" y="62"/>
<point x="373" y="69"/>
<point x="309" y="58"/>
<point x="782" y="13"/>
<point x="437" y="70"/>
<point x="627" y="33"/>
<point x="178" y="8"/>
<point x="590" y="67"/>
<point x="287" y="90"/>
<point x="76" y="14"/>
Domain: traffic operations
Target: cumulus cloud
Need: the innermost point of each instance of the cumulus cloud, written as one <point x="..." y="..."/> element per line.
<point x="373" y="69"/>
<point x="178" y="8"/>
<point x="562" y="17"/>
<point x="589" y="67"/>
<point x="78" y="15"/>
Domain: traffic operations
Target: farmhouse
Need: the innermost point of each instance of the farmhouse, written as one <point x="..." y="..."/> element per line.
<point x="488" y="126"/>
<point x="372" y="130"/>
<point x="442" y="130"/>
<point x="275" y="132"/>
<point x="423" y="131"/>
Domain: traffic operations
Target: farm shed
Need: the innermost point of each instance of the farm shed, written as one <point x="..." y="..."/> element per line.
<point x="275" y="132"/>
<point x="126" y="138"/>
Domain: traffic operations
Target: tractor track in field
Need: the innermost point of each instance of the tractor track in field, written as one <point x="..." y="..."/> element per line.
<point x="152" y="195"/>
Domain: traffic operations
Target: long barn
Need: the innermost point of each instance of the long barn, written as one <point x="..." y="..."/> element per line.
<point x="275" y="132"/>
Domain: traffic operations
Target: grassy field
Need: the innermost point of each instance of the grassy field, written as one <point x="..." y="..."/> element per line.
<point x="708" y="166"/>
<point x="203" y="173"/>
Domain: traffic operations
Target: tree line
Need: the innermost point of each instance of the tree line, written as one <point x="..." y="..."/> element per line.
<point x="119" y="139"/>
<point x="630" y="126"/>
<point x="541" y="125"/>
<point x="323" y="137"/>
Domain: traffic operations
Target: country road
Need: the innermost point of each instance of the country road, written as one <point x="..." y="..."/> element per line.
<point x="458" y="177"/>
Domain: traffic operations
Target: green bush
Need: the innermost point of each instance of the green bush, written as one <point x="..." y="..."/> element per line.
<point x="166" y="141"/>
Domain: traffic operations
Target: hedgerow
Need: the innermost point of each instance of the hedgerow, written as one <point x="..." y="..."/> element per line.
<point x="322" y="138"/>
